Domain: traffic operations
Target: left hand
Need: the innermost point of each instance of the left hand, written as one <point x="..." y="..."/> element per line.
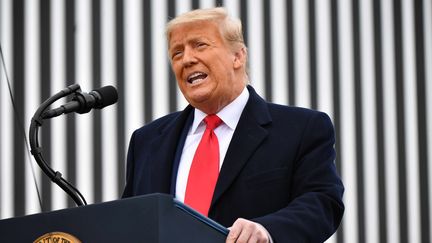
<point x="246" y="231"/>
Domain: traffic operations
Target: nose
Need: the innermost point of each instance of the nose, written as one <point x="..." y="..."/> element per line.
<point x="189" y="57"/>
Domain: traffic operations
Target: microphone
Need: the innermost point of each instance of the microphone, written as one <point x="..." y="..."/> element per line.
<point x="84" y="102"/>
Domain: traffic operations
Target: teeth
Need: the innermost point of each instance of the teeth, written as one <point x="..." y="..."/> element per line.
<point x="195" y="77"/>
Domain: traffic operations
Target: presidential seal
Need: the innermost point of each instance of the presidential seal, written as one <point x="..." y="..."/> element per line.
<point x="57" y="237"/>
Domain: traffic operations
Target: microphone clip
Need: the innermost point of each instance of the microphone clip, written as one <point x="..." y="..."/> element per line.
<point x="85" y="101"/>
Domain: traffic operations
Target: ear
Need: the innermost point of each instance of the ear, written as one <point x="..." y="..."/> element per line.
<point x="240" y="58"/>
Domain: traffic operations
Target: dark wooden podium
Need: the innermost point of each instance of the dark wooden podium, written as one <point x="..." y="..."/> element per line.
<point x="152" y="218"/>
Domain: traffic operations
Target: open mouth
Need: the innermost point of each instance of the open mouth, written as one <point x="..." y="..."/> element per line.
<point x="196" y="77"/>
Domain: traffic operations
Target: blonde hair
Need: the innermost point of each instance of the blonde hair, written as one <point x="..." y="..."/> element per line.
<point x="231" y="28"/>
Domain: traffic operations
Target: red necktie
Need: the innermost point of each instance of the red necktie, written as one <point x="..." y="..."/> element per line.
<point x="204" y="170"/>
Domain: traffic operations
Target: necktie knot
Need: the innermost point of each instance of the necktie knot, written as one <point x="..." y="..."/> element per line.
<point x="212" y="121"/>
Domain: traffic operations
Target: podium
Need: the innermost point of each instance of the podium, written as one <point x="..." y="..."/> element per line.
<point x="151" y="218"/>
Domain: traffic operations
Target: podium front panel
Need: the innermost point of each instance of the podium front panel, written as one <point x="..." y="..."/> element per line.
<point x="152" y="218"/>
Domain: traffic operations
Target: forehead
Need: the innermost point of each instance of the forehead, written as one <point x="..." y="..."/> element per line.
<point x="186" y="32"/>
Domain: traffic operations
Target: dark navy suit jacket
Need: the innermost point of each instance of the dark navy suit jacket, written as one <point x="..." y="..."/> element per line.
<point x="278" y="171"/>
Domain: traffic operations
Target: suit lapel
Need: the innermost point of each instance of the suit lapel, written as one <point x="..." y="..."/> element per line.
<point x="163" y="152"/>
<point x="246" y="139"/>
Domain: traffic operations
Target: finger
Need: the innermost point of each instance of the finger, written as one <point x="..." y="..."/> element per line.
<point x="247" y="229"/>
<point x="252" y="233"/>
<point x="244" y="231"/>
<point x="258" y="236"/>
<point x="234" y="233"/>
<point x="244" y="237"/>
<point x="261" y="234"/>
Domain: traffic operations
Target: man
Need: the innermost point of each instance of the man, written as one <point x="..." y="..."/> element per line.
<point x="275" y="176"/>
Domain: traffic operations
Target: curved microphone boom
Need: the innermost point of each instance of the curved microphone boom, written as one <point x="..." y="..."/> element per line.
<point x="81" y="103"/>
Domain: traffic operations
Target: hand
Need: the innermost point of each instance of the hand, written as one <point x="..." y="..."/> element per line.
<point x="245" y="231"/>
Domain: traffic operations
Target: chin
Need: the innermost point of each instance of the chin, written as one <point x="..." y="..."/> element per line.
<point x="198" y="103"/>
<point x="199" y="96"/>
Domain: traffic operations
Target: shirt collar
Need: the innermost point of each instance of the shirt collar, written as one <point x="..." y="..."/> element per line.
<point x="230" y="114"/>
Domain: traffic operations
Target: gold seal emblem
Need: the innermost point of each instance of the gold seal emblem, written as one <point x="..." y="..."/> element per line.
<point x="59" y="237"/>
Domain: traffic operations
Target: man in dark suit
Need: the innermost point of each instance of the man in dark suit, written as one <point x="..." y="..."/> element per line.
<point x="275" y="180"/>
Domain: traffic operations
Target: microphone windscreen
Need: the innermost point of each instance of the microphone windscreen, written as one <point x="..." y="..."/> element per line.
<point x="108" y="96"/>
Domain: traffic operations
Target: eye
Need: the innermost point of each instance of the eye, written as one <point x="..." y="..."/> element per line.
<point x="176" y="54"/>
<point x="201" y="45"/>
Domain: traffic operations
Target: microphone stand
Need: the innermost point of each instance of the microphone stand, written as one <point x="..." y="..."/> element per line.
<point x="36" y="150"/>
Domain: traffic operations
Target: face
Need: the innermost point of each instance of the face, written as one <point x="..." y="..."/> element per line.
<point x="209" y="73"/>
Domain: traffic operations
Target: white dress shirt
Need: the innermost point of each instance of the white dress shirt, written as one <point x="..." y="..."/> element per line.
<point x="230" y="116"/>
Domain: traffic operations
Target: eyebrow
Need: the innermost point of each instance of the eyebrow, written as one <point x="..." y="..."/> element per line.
<point x="191" y="40"/>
